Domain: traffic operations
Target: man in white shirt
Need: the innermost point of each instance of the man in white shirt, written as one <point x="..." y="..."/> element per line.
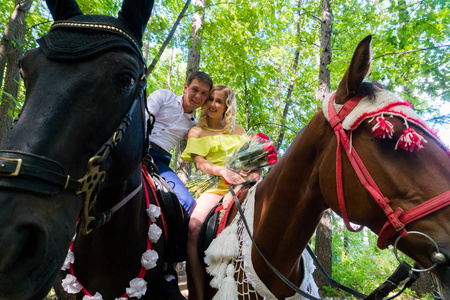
<point x="174" y="115"/>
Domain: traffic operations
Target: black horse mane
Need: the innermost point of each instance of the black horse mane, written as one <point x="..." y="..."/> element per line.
<point x="368" y="88"/>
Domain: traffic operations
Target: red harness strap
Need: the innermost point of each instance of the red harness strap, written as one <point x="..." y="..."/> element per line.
<point x="396" y="220"/>
<point x="149" y="180"/>
<point x="413" y="214"/>
<point x="223" y="222"/>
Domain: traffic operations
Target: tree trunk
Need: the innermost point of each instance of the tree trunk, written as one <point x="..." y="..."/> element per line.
<point x="17" y="19"/>
<point x="323" y="235"/>
<point x="291" y="82"/>
<point x="325" y="54"/>
<point x="323" y="249"/>
<point x="346" y="244"/>
<point x="184" y="167"/>
<point x="11" y="86"/>
<point x="148" y="34"/>
<point x="169" y="71"/>
<point x="423" y="285"/>
<point x="196" y="38"/>
<point x="247" y="102"/>
<point x="178" y="77"/>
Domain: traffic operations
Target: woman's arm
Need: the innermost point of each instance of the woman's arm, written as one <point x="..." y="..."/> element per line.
<point x="205" y="166"/>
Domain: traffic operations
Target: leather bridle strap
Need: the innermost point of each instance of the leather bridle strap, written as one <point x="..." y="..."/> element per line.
<point x="361" y="171"/>
<point x="396" y="220"/>
<point x="33" y="173"/>
<point x="413" y="214"/>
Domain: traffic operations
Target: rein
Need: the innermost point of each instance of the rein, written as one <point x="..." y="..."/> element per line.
<point x="396" y="219"/>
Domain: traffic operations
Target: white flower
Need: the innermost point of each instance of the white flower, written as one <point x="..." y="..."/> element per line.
<point x="138" y="288"/>
<point x="70" y="259"/>
<point x="97" y="296"/>
<point x="149" y="259"/>
<point x="153" y="212"/>
<point x="71" y="285"/>
<point x="154" y="232"/>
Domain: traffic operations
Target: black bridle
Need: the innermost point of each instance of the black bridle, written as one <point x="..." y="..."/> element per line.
<point x="27" y="172"/>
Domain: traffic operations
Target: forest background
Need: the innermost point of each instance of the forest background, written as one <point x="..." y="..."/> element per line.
<point x="280" y="57"/>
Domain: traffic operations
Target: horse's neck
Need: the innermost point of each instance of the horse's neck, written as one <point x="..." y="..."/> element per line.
<point x="288" y="207"/>
<point x="289" y="197"/>
<point x="115" y="247"/>
<point x="127" y="227"/>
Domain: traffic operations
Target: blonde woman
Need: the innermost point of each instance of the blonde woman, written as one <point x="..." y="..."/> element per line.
<point x="214" y="136"/>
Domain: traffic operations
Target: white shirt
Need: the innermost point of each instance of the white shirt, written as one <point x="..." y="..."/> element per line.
<point x="171" y="122"/>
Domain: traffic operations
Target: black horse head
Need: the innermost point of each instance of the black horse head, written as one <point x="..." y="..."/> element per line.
<point x="84" y="85"/>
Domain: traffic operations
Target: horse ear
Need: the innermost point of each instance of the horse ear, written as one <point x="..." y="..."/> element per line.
<point x="63" y="9"/>
<point x="135" y="14"/>
<point x="356" y="72"/>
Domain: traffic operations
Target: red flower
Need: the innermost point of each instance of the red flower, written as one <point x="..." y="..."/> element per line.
<point x="269" y="148"/>
<point x="263" y="136"/>
<point x="260" y="137"/>
<point x="272" y="158"/>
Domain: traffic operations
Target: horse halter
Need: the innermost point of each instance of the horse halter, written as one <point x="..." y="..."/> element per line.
<point x="397" y="219"/>
<point x="27" y="172"/>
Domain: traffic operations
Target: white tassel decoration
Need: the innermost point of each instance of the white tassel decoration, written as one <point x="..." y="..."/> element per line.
<point x="217" y="267"/>
<point x="220" y="271"/>
<point x="228" y="288"/>
<point x="225" y="246"/>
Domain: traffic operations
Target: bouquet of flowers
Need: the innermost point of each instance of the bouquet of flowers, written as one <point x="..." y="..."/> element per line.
<point x="255" y="153"/>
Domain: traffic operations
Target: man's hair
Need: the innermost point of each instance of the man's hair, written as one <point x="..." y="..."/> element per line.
<point x="201" y="77"/>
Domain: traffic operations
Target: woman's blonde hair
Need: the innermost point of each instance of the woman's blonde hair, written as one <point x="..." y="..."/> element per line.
<point x="229" y="116"/>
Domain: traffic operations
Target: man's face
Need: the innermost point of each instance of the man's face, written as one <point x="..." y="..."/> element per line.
<point x="194" y="95"/>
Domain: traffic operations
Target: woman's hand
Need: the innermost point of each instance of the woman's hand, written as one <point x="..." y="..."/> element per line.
<point x="252" y="175"/>
<point x="255" y="175"/>
<point x="231" y="177"/>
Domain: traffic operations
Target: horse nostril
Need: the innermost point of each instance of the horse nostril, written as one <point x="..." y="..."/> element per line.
<point x="22" y="248"/>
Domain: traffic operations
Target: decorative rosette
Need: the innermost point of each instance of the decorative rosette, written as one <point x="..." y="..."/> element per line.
<point x="154" y="233"/>
<point x="153" y="212"/>
<point x="149" y="259"/>
<point x="71" y="285"/>
<point x="97" y="296"/>
<point x="138" y="288"/>
<point x="70" y="259"/>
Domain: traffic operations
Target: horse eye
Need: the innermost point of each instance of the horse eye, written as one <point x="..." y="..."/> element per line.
<point x="127" y="80"/>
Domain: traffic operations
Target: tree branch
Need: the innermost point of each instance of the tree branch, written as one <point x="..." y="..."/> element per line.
<point x="169" y="37"/>
<point x="410" y="51"/>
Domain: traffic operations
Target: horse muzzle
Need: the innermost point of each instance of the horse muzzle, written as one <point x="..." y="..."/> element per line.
<point x="23" y="248"/>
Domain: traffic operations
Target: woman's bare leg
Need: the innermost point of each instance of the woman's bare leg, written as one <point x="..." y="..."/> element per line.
<point x="194" y="268"/>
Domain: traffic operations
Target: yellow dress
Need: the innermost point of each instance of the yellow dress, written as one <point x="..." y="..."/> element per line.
<point x="214" y="148"/>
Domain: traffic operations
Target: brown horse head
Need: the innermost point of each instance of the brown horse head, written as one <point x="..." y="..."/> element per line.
<point x="84" y="85"/>
<point x="406" y="178"/>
